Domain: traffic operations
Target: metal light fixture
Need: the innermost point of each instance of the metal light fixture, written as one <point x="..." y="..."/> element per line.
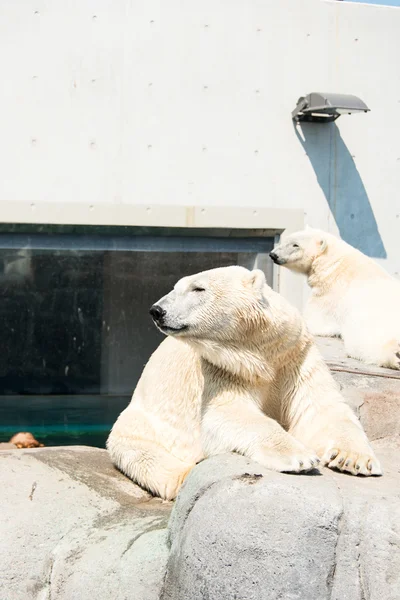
<point x="325" y="108"/>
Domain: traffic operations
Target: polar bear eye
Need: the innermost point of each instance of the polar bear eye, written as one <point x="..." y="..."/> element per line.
<point x="295" y="245"/>
<point x="198" y="289"/>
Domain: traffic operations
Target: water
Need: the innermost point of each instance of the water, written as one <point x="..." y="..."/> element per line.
<point x="61" y="420"/>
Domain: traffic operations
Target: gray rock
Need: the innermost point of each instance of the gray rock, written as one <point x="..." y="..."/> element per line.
<point x="241" y="532"/>
<point x="73" y="528"/>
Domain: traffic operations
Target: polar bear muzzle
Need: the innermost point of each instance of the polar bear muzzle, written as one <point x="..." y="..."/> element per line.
<point x="159" y="316"/>
<point x="157" y="313"/>
<point x="276" y="259"/>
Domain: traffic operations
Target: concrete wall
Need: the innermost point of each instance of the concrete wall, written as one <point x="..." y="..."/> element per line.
<point x="110" y="103"/>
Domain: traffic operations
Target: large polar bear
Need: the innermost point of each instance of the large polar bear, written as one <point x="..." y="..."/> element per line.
<point x="352" y="296"/>
<point x="239" y="372"/>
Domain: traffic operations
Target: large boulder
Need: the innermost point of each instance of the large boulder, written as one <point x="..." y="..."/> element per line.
<point x="74" y="528"/>
<point x="239" y="531"/>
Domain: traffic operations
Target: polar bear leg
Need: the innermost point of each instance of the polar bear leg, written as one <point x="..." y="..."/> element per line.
<point x="150" y="465"/>
<point x="233" y="423"/>
<point x="323" y="421"/>
<point x="371" y="346"/>
<point x="319" y="321"/>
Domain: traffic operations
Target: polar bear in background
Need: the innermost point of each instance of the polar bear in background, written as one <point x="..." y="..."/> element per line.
<point x="352" y="296"/>
<point x="239" y="372"/>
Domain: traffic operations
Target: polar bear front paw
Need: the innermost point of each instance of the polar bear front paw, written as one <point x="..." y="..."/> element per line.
<point x="299" y="461"/>
<point x="352" y="462"/>
<point x="168" y="488"/>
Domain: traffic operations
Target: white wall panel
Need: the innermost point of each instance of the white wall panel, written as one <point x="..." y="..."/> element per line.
<point x="112" y="102"/>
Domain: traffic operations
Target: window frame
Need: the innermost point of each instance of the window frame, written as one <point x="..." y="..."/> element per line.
<point x="273" y="222"/>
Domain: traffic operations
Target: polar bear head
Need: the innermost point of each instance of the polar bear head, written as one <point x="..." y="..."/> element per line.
<point x="299" y="250"/>
<point x="220" y="304"/>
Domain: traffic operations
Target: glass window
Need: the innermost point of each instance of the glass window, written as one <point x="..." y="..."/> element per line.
<point x="75" y="328"/>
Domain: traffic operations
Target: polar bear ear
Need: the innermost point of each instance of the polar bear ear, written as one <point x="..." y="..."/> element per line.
<point x="257" y="279"/>
<point x="323" y="244"/>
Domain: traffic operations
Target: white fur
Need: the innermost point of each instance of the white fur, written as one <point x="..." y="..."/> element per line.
<point x="241" y="373"/>
<point x="352" y="296"/>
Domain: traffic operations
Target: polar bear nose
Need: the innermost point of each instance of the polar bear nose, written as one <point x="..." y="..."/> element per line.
<point x="274" y="256"/>
<point x="157" y="312"/>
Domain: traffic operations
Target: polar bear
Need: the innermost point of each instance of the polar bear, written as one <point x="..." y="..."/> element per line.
<point x="352" y="296"/>
<point x="239" y="372"/>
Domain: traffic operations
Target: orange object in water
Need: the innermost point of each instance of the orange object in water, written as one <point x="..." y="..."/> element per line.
<point x="25" y="440"/>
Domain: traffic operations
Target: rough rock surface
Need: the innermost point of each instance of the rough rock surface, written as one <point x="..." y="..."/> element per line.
<point x="73" y="528"/>
<point x="239" y="531"/>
